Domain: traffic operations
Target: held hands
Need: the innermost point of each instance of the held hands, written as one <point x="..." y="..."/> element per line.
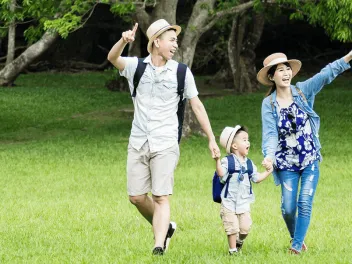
<point x="128" y="36"/>
<point x="214" y="150"/>
<point x="268" y="164"/>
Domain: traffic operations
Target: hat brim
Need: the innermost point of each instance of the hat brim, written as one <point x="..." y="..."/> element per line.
<point x="229" y="141"/>
<point x="151" y="40"/>
<point x="262" y="75"/>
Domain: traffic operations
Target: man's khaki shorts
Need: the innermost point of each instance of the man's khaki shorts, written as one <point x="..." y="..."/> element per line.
<point x="235" y="223"/>
<point x="151" y="172"/>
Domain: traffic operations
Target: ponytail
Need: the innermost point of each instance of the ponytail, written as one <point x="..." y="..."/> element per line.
<point x="271" y="90"/>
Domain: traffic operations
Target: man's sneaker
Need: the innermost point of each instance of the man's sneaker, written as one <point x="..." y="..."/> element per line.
<point x="239" y="244"/>
<point x="304" y="246"/>
<point x="170" y="233"/>
<point x="158" y="251"/>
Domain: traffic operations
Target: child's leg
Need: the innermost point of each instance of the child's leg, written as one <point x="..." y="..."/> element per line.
<point x="232" y="241"/>
<point x="245" y="223"/>
<point x="231" y="226"/>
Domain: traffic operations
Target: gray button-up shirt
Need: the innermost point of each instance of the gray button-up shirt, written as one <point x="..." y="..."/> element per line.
<point x="156" y="102"/>
<point x="239" y="197"/>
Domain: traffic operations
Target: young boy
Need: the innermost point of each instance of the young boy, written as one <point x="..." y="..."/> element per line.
<point x="235" y="202"/>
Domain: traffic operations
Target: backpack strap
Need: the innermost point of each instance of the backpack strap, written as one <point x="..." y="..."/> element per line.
<point x="301" y="94"/>
<point x="231" y="170"/>
<point x="141" y="66"/>
<point x="181" y="79"/>
<point x="250" y="173"/>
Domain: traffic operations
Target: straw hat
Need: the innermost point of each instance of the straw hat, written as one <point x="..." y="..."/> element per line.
<point x="275" y="59"/>
<point x="156" y="29"/>
<point x="227" y="136"/>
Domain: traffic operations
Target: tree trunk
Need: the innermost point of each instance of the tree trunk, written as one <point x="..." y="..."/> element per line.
<point x="245" y="35"/>
<point x="11" y="36"/>
<point x="10" y="72"/>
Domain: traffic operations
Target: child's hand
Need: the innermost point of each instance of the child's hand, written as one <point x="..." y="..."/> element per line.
<point x="217" y="156"/>
<point x="267" y="164"/>
<point x="270" y="169"/>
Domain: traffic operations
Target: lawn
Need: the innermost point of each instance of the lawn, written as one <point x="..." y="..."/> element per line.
<point x="63" y="182"/>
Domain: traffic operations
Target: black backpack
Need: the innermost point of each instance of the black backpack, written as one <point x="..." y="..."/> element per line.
<point x="181" y="76"/>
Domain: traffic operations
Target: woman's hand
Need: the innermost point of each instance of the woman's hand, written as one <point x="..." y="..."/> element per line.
<point x="348" y="57"/>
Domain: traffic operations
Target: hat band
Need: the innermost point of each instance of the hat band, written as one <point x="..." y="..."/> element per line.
<point x="160" y="30"/>
<point x="276" y="61"/>
<point x="229" y="138"/>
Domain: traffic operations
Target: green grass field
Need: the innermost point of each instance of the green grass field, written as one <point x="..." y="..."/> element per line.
<point x="63" y="182"/>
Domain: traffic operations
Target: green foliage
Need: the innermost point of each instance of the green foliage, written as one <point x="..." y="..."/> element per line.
<point x="61" y="16"/>
<point x="123" y="8"/>
<point x="223" y="5"/>
<point x="333" y="15"/>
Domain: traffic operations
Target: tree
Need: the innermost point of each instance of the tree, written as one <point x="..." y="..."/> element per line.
<point x="333" y="15"/>
<point x="247" y="28"/>
<point x="12" y="35"/>
<point x="48" y="20"/>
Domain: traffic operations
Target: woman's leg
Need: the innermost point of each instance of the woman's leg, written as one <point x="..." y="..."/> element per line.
<point x="309" y="181"/>
<point x="289" y="189"/>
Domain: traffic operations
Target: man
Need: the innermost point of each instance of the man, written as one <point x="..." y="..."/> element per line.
<point x="153" y="150"/>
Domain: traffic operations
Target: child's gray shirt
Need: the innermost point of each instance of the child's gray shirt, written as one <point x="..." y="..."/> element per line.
<point x="239" y="197"/>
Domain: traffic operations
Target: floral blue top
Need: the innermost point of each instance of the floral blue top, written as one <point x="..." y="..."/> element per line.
<point x="296" y="149"/>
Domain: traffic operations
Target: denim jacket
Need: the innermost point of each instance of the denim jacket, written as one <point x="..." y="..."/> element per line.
<point x="309" y="88"/>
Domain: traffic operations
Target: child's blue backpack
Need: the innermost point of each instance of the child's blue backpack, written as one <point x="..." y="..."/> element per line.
<point x="218" y="185"/>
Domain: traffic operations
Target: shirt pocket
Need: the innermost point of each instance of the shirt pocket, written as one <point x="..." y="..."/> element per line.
<point x="168" y="90"/>
<point x="145" y="85"/>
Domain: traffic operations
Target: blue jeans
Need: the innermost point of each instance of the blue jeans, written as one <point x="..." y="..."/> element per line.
<point x="297" y="225"/>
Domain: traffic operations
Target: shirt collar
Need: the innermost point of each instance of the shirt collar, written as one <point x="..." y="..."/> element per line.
<point x="148" y="59"/>
<point x="294" y="91"/>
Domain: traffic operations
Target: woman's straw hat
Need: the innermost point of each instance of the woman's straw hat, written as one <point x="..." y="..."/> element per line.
<point x="275" y="59"/>
<point x="156" y="29"/>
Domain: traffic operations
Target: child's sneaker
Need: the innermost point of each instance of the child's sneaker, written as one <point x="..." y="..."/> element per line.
<point x="158" y="251"/>
<point x="169" y="234"/>
<point x="233" y="252"/>
<point x="239" y="244"/>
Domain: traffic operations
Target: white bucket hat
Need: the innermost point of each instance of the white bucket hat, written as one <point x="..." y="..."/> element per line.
<point x="156" y="29"/>
<point x="227" y="136"/>
<point x="275" y="59"/>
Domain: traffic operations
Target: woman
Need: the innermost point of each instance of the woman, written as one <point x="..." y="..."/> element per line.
<point x="291" y="137"/>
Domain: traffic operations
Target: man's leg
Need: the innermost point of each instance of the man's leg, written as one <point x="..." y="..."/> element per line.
<point x="161" y="219"/>
<point x="145" y="206"/>
<point x="162" y="166"/>
<point x="139" y="180"/>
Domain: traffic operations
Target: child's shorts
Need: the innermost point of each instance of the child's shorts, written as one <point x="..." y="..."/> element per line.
<point x="235" y="223"/>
